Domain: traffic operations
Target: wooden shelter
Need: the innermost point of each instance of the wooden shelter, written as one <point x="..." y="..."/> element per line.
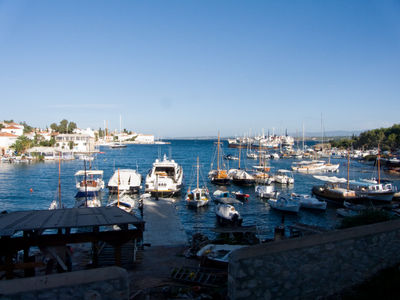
<point x="22" y="230"/>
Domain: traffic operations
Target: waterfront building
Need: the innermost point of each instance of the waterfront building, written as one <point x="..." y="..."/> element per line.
<point x="75" y="142"/>
<point x="145" y="138"/>
<point x="6" y="140"/>
<point x="13" y="128"/>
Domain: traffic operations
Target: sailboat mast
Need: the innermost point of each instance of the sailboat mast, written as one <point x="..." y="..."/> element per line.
<point x="59" y="181"/>
<point x="218" y="153"/>
<point x="198" y="172"/>
<point x="348" y="169"/>
<point x="379" y="165"/>
<point x="240" y="148"/>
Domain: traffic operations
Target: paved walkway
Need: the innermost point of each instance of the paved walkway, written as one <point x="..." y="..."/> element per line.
<point x="163" y="227"/>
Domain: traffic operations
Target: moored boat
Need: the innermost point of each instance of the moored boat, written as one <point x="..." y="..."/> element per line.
<point x="199" y="196"/>
<point x="125" y="180"/>
<point x="89" y="183"/>
<point x="228" y="215"/>
<point x="165" y="178"/>
<point x="285" y="204"/>
<point x="307" y="201"/>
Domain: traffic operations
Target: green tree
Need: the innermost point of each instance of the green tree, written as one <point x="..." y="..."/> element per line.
<point x="63" y="127"/>
<point x="22" y="144"/>
<point x="71" y="145"/>
<point x="27" y="128"/>
<point x="54" y="126"/>
<point x="71" y="127"/>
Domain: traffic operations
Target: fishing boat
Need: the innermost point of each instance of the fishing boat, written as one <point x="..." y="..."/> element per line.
<point x="219" y="176"/>
<point x="228" y="215"/>
<point x="125" y="180"/>
<point x="285" y="203"/>
<point x="307" y="201"/>
<point x="283" y="176"/>
<point x="165" y="178"/>
<point x="199" y="196"/>
<point x="89" y="183"/>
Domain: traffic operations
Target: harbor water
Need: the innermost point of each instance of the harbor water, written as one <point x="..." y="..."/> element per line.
<point x="34" y="186"/>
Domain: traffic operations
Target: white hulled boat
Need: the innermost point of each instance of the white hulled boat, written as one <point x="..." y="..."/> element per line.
<point x="165" y="178"/>
<point x="285" y="203"/>
<point x="228" y="215"/>
<point x="89" y="183"/>
<point x="199" y="196"/>
<point x="307" y="201"/>
<point x="129" y="181"/>
<point x="266" y="191"/>
<point x="284" y="177"/>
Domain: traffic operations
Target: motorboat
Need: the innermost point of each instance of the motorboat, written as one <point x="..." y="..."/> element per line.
<point x="284" y="177"/>
<point x="199" y="196"/>
<point x="228" y="215"/>
<point x="241" y="196"/>
<point x="335" y="192"/>
<point x="225" y="197"/>
<point x="285" y="203"/>
<point x="89" y="183"/>
<point x="230" y="157"/>
<point x="261" y="177"/>
<point x="117" y="145"/>
<point x="307" y="201"/>
<point x="125" y="180"/>
<point x="165" y="178"/>
<point x="266" y="191"/>
<point x="241" y="177"/>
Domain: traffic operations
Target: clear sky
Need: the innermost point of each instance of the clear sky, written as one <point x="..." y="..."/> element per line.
<point x="191" y="68"/>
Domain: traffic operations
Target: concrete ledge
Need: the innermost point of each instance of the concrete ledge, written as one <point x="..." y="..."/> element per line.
<point x="54" y="281"/>
<point x="313" y="240"/>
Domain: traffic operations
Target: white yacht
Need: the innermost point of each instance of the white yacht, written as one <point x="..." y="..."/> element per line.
<point x="164" y="178"/>
<point x="129" y="181"/>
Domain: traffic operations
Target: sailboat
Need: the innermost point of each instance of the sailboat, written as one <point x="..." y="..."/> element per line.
<point x="239" y="176"/>
<point x="219" y="176"/>
<point x="200" y="195"/>
<point x="261" y="175"/>
<point x="374" y="189"/>
<point x="117" y="145"/>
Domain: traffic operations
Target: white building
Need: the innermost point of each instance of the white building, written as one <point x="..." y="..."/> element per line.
<point x="145" y="139"/>
<point x="86" y="131"/>
<point x="79" y="142"/>
<point x="15" y="129"/>
<point x="6" y="140"/>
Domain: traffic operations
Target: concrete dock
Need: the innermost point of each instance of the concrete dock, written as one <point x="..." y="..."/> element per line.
<point x="163" y="227"/>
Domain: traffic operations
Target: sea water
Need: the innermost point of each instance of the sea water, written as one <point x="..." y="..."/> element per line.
<point x="33" y="186"/>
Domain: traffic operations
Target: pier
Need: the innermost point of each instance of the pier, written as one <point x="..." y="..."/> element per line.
<point x="163" y="226"/>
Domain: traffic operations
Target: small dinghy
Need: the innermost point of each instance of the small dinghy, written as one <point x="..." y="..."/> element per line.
<point x="241" y="196"/>
<point x="228" y="215"/>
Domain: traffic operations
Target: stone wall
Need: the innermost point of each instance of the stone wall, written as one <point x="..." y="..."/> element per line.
<point x="102" y="283"/>
<point x="313" y="266"/>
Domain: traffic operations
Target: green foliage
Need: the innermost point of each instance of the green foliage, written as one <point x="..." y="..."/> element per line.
<point x="71" y="145"/>
<point x="1" y="126"/>
<point x="27" y="128"/>
<point x="386" y="138"/>
<point x="22" y="144"/>
<point x="368" y="216"/>
<point x="101" y="133"/>
<point x="64" y="127"/>
<point x="8" y="121"/>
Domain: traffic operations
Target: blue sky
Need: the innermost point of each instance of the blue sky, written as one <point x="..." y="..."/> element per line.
<point x="191" y="68"/>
